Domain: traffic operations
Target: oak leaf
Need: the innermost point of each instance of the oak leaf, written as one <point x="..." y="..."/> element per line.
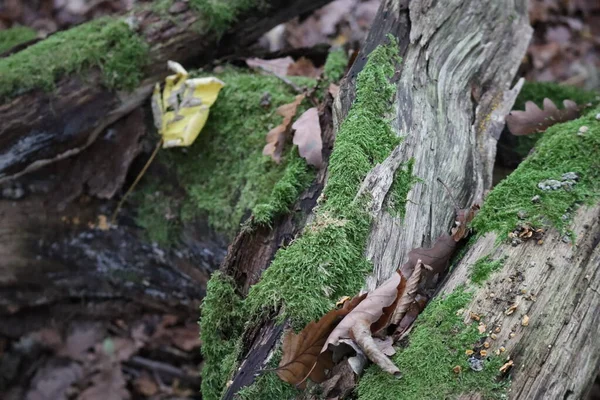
<point x="277" y="136"/>
<point x="307" y="137"/>
<point x="302" y="356"/>
<point x="534" y="119"/>
<point x="371" y="316"/>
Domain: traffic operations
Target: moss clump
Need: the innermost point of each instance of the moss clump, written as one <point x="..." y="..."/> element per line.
<point x="436" y="345"/>
<point x="537" y="92"/>
<point x="335" y="65"/>
<point x="221" y="324"/>
<point x="224" y="174"/>
<point x="219" y="15"/>
<point x="483" y="268"/>
<point x="12" y="37"/>
<point x="327" y="261"/>
<point x="403" y="183"/>
<point x="560" y="150"/>
<point x="108" y="44"/>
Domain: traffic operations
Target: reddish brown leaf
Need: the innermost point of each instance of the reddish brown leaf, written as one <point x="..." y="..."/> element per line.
<point x="277" y="66"/>
<point x="436" y="257"/>
<point x="534" y="119"/>
<point x="379" y="305"/>
<point x="301" y="352"/>
<point x="408" y="296"/>
<point x="307" y="137"/>
<point x="277" y="136"/>
<point x="463" y="218"/>
<point x="303" y="67"/>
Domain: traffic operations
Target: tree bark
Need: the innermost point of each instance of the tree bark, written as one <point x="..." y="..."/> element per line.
<point x="44" y="127"/>
<point x="453" y="90"/>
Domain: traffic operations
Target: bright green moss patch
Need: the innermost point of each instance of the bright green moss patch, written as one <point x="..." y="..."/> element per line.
<point x="105" y="43"/>
<point x="403" y="183"/>
<point x="436" y="345"/>
<point x="335" y="66"/>
<point x="327" y="261"/>
<point x="12" y="37"/>
<point x="219" y="15"/>
<point x="221" y="324"/>
<point x="537" y="92"/>
<point x="560" y="150"/>
<point x="224" y="173"/>
<point x="483" y="268"/>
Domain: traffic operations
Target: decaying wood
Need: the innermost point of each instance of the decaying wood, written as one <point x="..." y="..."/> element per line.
<point x="459" y="59"/>
<point x="557" y="286"/>
<point x="42" y="127"/>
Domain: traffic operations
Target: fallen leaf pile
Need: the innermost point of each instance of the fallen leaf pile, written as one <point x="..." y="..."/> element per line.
<point x="101" y="361"/>
<point x="535" y="120"/>
<point x="361" y="328"/>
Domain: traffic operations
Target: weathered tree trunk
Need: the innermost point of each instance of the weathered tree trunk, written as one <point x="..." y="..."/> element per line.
<point x="556" y="352"/>
<point x="42" y="127"/>
<point x="452" y="93"/>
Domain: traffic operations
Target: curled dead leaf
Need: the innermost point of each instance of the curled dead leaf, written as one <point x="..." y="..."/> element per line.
<point x="534" y="119"/>
<point x="277" y="136"/>
<point x="302" y="352"/>
<point x="307" y="137"/>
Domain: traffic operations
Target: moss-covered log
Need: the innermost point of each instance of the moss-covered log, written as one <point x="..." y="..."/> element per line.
<point x="442" y="79"/>
<point x="59" y="94"/>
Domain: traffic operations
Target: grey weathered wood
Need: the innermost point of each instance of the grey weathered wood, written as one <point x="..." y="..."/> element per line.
<point x="557" y="356"/>
<point x="453" y="92"/>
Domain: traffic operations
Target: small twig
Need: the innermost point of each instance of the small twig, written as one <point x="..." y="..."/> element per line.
<point x="456" y="207"/>
<point x="137" y="179"/>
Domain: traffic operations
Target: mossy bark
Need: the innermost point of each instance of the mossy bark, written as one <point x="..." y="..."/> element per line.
<point x="60" y="93"/>
<point x="445" y="101"/>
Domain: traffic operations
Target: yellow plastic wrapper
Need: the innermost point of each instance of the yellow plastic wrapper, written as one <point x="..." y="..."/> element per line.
<point x="181" y="110"/>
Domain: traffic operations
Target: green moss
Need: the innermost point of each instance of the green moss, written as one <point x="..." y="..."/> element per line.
<point x="537" y="92"/>
<point x="224" y="173"/>
<point x="105" y="43"/>
<point x="436" y="345"/>
<point x="335" y="65"/>
<point x="219" y="15"/>
<point x="403" y="183"/>
<point x="327" y="261"/>
<point x="221" y="324"/>
<point x="483" y="268"/>
<point x="295" y="178"/>
<point x="560" y="150"/>
<point x="12" y="37"/>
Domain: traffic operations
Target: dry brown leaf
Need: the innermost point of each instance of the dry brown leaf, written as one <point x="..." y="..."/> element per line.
<point x="436" y="257"/>
<point x="277" y="136"/>
<point x="534" y="119"/>
<point x="303" y="67"/>
<point x="371" y="316"/>
<point x="301" y="351"/>
<point x="307" y="137"/>
<point x="463" y="218"/>
<point x="411" y="315"/>
<point x="277" y="66"/>
<point x="408" y="296"/>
